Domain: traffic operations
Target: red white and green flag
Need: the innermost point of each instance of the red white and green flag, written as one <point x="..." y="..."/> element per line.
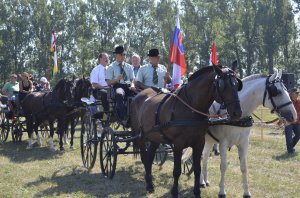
<point x="53" y="50"/>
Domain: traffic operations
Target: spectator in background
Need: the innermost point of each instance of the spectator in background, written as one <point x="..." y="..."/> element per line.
<point x="10" y="86"/>
<point x="136" y="63"/>
<point x="25" y="85"/>
<point x="292" y="131"/>
<point x="43" y="86"/>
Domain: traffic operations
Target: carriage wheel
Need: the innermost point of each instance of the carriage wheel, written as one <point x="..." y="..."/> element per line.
<point x="108" y="153"/>
<point x="188" y="166"/>
<point x="4" y="127"/>
<point x="160" y="155"/>
<point x="45" y="131"/>
<point x="88" y="142"/>
<point x="16" y="131"/>
<point x="187" y="161"/>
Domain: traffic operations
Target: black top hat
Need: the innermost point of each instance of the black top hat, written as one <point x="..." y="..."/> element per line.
<point x="153" y="52"/>
<point x="119" y="49"/>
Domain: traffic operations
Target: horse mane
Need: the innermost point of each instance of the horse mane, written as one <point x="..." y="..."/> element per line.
<point x="253" y="77"/>
<point x="59" y="83"/>
<point x="197" y="73"/>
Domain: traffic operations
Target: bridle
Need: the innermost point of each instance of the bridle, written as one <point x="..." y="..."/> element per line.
<point x="272" y="90"/>
<point x="220" y="86"/>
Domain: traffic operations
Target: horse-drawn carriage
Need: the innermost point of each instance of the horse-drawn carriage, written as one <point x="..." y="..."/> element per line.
<point x="12" y="119"/>
<point x="113" y="136"/>
<point x="178" y="119"/>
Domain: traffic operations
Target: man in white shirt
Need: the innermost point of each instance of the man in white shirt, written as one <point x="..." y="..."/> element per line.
<point x="136" y="63"/>
<point x="98" y="80"/>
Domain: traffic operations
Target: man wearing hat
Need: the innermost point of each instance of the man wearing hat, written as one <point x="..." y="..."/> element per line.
<point x="11" y="86"/>
<point x="153" y="74"/>
<point x="120" y="75"/>
<point x="294" y="128"/>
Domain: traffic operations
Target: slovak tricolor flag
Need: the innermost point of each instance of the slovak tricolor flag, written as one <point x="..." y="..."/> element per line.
<point x="213" y="55"/>
<point x="176" y="56"/>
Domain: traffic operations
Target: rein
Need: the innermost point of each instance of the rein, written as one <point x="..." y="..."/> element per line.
<point x="195" y="110"/>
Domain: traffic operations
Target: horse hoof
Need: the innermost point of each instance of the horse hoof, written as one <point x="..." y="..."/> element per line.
<point x="222" y="196"/>
<point x="207" y="184"/>
<point x="61" y="150"/>
<point x="202" y="185"/>
<point x="247" y="196"/>
<point x="150" y="188"/>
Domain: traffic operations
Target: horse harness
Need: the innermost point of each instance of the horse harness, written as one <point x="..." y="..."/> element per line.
<point x="219" y="85"/>
<point x="272" y="90"/>
<point x="172" y="123"/>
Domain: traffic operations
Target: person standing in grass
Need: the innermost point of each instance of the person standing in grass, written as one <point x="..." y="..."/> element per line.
<point x="292" y="131"/>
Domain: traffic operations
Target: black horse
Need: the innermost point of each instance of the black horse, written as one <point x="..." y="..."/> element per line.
<point x="180" y="118"/>
<point x="51" y="106"/>
<point x="82" y="88"/>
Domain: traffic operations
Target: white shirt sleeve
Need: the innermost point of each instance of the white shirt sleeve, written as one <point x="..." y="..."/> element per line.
<point x="94" y="75"/>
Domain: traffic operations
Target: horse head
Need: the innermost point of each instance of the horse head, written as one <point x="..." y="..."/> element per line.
<point x="63" y="89"/>
<point x="226" y="87"/>
<point x="82" y="88"/>
<point x="276" y="97"/>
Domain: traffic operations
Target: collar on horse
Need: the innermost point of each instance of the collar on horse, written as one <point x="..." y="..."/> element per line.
<point x="272" y="91"/>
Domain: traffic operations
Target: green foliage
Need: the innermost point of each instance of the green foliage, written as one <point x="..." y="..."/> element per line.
<point x="261" y="35"/>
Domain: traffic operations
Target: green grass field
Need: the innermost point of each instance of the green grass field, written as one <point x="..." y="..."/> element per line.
<point x="41" y="173"/>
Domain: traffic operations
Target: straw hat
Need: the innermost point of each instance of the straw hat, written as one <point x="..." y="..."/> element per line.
<point x="25" y="74"/>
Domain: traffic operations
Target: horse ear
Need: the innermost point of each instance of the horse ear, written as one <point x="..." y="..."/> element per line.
<point x="217" y="69"/>
<point x="273" y="77"/>
<point x="279" y="74"/>
<point x="234" y="65"/>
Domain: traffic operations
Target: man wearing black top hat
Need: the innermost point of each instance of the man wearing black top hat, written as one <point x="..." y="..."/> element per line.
<point x="120" y="75"/>
<point x="152" y="75"/>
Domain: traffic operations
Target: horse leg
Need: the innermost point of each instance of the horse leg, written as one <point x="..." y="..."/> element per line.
<point x="205" y="156"/>
<point x="38" y="138"/>
<point x="72" y="134"/>
<point x="51" y="135"/>
<point x="197" y="151"/>
<point x="66" y="132"/>
<point x="177" y="170"/>
<point x="148" y="166"/>
<point x="29" y="126"/>
<point x="243" y="150"/>
<point x="61" y="127"/>
<point x="223" y="167"/>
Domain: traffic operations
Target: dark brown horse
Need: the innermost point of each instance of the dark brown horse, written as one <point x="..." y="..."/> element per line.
<point x="82" y="89"/>
<point x="180" y="118"/>
<point x="51" y="106"/>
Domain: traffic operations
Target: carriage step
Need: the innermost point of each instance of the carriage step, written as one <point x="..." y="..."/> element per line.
<point x="128" y="139"/>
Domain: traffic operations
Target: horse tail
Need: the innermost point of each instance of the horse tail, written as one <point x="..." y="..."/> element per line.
<point x="134" y="122"/>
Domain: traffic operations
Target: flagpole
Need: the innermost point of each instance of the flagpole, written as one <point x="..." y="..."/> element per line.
<point x="49" y="69"/>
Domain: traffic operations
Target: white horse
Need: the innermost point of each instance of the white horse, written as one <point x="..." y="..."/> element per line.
<point x="258" y="90"/>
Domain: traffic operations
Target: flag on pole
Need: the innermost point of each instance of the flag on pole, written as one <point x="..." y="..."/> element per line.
<point x="176" y="55"/>
<point x="53" y="50"/>
<point x="213" y="55"/>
